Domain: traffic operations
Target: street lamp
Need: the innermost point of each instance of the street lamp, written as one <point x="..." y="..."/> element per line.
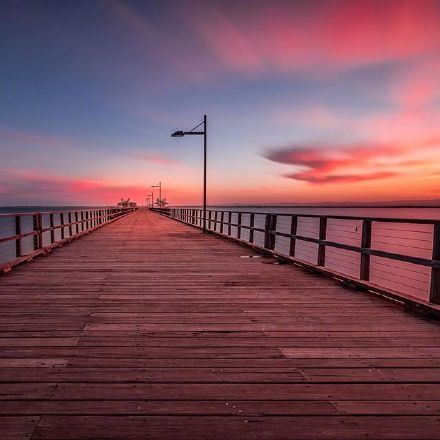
<point x="203" y="133"/>
<point x="149" y="200"/>
<point x="160" y="192"/>
<point x="152" y="198"/>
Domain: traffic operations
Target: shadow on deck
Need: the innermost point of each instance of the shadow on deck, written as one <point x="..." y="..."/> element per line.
<point x="149" y="329"/>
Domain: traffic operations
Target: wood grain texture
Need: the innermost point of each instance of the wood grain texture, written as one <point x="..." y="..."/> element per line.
<point x="149" y="329"/>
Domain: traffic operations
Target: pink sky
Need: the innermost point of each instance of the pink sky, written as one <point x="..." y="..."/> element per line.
<point x="307" y="101"/>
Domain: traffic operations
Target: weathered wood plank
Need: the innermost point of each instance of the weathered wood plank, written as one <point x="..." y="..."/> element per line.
<point x="188" y="407"/>
<point x="273" y="428"/>
<point x="222" y="391"/>
<point x="16" y="427"/>
<point x="222" y="407"/>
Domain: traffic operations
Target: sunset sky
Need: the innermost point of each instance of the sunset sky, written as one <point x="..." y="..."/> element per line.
<point x="307" y="101"/>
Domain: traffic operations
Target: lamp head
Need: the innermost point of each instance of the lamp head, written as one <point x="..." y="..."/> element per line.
<point x="177" y="134"/>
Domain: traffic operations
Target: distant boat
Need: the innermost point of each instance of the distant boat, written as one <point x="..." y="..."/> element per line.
<point x="161" y="203"/>
<point x="126" y="204"/>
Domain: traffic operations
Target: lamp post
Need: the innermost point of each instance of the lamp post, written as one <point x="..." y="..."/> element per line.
<point x="203" y="133"/>
<point x="149" y="200"/>
<point x="159" y="185"/>
<point x="152" y="198"/>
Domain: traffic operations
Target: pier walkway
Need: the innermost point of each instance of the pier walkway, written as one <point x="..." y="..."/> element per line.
<point x="148" y="329"/>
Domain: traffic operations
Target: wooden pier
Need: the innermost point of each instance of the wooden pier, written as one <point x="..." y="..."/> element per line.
<point x="148" y="329"/>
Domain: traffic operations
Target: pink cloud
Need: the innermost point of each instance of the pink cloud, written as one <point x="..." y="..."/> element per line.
<point x="411" y="118"/>
<point x="402" y="141"/>
<point x="374" y="31"/>
<point x="17" y="185"/>
<point x="33" y="187"/>
<point x="336" y="34"/>
<point x="260" y="37"/>
<point x="23" y="137"/>
<point x="418" y="86"/>
<point x="414" y="94"/>
<point x="312" y="177"/>
<point x="324" y="164"/>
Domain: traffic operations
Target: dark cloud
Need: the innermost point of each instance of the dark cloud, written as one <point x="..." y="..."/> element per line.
<point x="332" y="164"/>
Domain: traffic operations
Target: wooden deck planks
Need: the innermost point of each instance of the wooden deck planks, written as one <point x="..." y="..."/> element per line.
<point x="149" y="329"/>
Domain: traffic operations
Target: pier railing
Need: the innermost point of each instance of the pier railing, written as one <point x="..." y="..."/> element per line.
<point x="23" y="236"/>
<point x="395" y="257"/>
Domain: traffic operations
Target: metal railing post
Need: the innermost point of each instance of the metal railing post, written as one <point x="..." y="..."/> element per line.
<point x="37" y="228"/>
<point x="52" y="228"/>
<point x="434" y="294"/>
<point x="76" y="221"/>
<point x="18" y="233"/>
<point x="322" y="236"/>
<point x="293" y="231"/>
<point x="365" y="245"/>
<point x="251" y="225"/>
<point x="62" y="225"/>
<point x="269" y="230"/>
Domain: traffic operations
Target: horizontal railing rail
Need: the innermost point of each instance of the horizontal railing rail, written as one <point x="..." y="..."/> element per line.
<point x="23" y="236"/>
<point x="395" y="257"/>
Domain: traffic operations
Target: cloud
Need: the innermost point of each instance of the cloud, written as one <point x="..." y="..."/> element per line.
<point x="25" y="187"/>
<point x="36" y="187"/>
<point x="201" y="41"/>
<point x="153" y="157"/>
<point x="285" y="36"/>
<point x="327" y="164"/>
<point x="23" y="137"/>
<point x="157" y="42"/>
<point x="419" y="85"/>
<point x="311" y="177"/>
